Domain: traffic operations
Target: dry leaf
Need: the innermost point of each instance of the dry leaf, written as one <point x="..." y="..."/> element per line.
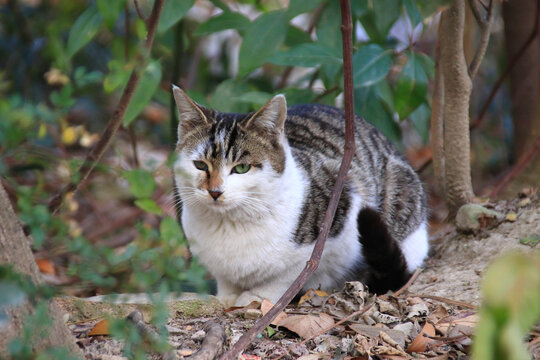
<point x="310" y="294"/>
<point x="101" y="328"/>
<point x="374" y="332"/>
<point x="307" y="326"/>
<point x="45" y="266"/>
<point x="266" y="305"/>
<point x="457" y="326"/>
<point x="248" y="357"/>
<point x="511" y="216"/>
<point x="420" y="343"/>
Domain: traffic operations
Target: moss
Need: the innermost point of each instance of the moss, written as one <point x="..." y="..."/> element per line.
<point x="198" y="308"/>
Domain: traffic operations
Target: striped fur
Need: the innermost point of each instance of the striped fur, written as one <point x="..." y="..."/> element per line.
<point x="257" y="235"/>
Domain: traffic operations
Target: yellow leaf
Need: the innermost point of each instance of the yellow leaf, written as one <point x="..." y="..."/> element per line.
<point x="69" y="136"/>
<point x="511" y="216"/>
<point x="311" y="293"/>
<point x="101" y="328"/>
<point x="42" y="131"/>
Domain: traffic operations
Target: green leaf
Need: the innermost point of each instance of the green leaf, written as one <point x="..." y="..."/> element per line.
<point x="141" y="182"/>
<point x="224" y="21"/>
<point x="296" y="96"/>
<point x="149" y="206"/>
<point x="371" y="64"/>
<point x="224" y="97"/>
<point x="173" y="12"/>
<point x="147" y="87"/>
<point x="386" y="13"/>
<point x="531" y="241"/>
<point x="328" y="28"/>
<point x="84" y="29"/>
<point x="369" y="105"/>
<point x="170" y="232"/>
<point x="110" y="10"/>
<point x="263" y="37"/>
<point x="427" y="64"/>
<point x="306" y="55"/>
<point x="117" y="76"/>
<point x="11" y="294"/>
<point x="411" y="88"/>
<point x="420" y="119"/>
<point x="412" y="12"/>
<point x="254" y="97"/>
<point x="296" y="36"/>
<point x="297" y="7"/>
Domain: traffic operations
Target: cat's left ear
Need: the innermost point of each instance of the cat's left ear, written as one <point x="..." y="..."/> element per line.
<point x="271" y="116"/>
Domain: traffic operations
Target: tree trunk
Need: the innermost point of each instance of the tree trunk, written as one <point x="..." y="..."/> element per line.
<point x="519" y="21"/>
<point x="15" y="251"/>
<point x="457" y="92"/>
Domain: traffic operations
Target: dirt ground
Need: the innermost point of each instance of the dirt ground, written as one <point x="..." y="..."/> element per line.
<point x="445" y="292"/>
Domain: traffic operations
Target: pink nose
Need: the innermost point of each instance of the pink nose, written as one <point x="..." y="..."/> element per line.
<point x="215" y="194"/>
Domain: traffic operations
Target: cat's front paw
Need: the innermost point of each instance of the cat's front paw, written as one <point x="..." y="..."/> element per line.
<point x="246" y="298"/>
<point x="228" y="300"/>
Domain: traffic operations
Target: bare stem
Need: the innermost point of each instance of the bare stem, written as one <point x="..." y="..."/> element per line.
<point x="313" y="262"/>
<point x="485" y="28"/>
<point x="96" y="153"/>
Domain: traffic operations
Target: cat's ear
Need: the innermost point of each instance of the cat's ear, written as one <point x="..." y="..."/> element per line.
<point x="271" y="116"/>
<point x="189" y="113"/>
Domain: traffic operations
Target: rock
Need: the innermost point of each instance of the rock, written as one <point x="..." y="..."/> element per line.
<point x="474" y="217"/>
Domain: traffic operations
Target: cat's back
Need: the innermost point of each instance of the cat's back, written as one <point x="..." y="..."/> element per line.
<point x="318" y="129"/>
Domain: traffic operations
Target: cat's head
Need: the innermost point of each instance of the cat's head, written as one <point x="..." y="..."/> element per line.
<point x="226" y="161"/>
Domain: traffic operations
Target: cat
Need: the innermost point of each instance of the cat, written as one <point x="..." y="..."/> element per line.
<point x="254" y="188"/>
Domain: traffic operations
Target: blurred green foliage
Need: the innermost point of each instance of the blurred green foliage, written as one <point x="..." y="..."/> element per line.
<point x="510" y="307"/>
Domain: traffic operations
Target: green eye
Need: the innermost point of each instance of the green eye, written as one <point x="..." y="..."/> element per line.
<point x="241" y="169"/>
<point x="201" y="165"/>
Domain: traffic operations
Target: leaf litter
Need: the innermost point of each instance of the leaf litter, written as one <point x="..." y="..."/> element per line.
<point x="424" y="321"/>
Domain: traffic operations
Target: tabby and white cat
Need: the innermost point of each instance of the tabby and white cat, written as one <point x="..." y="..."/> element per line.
<point x="254" y="189"/>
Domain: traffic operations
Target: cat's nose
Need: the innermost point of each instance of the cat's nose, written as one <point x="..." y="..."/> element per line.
<point x="215" y="194"/>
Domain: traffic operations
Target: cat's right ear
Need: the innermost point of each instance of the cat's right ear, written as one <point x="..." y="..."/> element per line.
<point x="189" y="113"/>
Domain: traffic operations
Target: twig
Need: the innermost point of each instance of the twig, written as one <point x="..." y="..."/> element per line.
<point x="485" y="28"/>
<point x="508" y="69"/>
<point x="212" y="343"/>
<point x="445" y="300"/>
<point x="326" y="92"/>
<point x="313" y="262"/>
<point x="95" y="155"/>
<point x="409" y="283"/>
<point x="133" y="140"/>
<point x="148" y="333"/>
<point x="517" y="168"/>
<point x="139" y="12"/>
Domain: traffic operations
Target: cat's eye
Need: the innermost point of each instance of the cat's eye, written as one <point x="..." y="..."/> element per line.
<point x="241" y="169"/>
<point x="201" y="165"/>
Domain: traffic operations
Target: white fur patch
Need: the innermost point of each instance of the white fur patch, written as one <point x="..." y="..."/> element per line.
<point x="415" y="247"/>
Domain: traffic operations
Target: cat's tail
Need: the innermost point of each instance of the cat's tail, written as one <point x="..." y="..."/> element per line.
<point x="387" y="265"/>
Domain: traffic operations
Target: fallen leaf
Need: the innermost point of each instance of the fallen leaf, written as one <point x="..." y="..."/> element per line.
<point x="374" y="332"/>
<point x="531" y="241"/>
<point x="310" y="294"/>
<point x="420" y="343"/>
<point x="310" y="357"/>
<point x="45" y="266"/>
<point x="458" y="326"/>
<point x="266" y="305"/>
<point x="307" y="326"/>
<point x="248" y="357"/>
<point x="101" y="328"/>
<point x="511" y="216"/>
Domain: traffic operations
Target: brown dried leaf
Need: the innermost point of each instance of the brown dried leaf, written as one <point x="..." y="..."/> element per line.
<point x="307" y="325"/>
<point x="310" y="294"/>
<point x="45" y="266"/>
<point x="101" y="328"/>
<point x="457" y="326"/>
<point x="421" y="342"/>
<point x="266" y="305"/>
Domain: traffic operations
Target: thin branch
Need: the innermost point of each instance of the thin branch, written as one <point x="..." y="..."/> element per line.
<point x="313" y="262"/>
<point x="485" y="29"/>
<point x="139" y="11"/>
<point x="517" y="168"/>
<point x="508" y="69"/>
<point x="409" y="283"/>
<point x="148" y="333"/>
<point x="96" y="153"/>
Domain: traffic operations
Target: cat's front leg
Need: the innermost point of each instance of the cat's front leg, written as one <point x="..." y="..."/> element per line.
<point x="227" y="293"/>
